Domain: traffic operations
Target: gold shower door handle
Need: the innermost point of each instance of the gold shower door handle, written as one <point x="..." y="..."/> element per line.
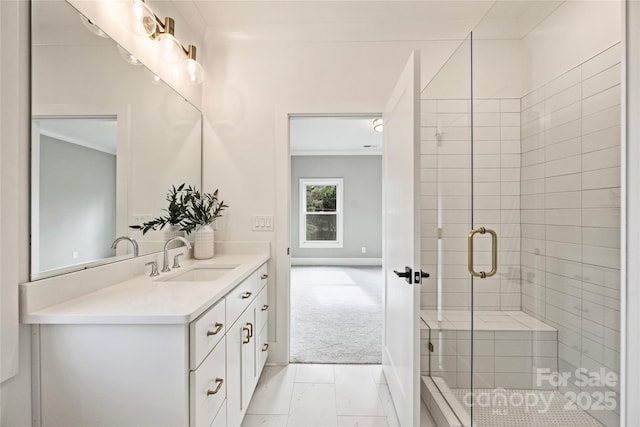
<point x="494" y="252"/>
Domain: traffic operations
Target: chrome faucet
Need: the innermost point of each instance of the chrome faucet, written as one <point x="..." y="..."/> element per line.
<point x="129" y="239"/>
<point x="165" y="259"/>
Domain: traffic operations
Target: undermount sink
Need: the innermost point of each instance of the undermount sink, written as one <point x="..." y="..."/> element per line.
<point x="201" y="273"/>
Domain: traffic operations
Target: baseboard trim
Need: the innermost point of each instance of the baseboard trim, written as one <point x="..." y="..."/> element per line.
<point x="337" y="261"/>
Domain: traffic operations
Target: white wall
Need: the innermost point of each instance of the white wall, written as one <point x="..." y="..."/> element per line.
<point x="14" y="213"/>
<point x="575" y="32"/>
<point x="253" y="87"/>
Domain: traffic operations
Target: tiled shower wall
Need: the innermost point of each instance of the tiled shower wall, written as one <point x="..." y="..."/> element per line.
<point x="553" y="198"/>
<point x="445" y="207"/>
<point x="571" y="214"/>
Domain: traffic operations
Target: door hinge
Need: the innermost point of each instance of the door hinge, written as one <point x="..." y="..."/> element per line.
<point x="288" y="251"/>
<point x="439" y="232"/>
<point x="430" y="347"/>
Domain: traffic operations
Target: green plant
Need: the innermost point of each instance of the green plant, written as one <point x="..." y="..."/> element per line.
<point x="188" y="208"/>
<point x="203" y="209"/>
<point x="176" y="211"/>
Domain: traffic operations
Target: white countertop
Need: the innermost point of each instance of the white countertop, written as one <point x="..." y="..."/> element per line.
<point x="147" y="300"/>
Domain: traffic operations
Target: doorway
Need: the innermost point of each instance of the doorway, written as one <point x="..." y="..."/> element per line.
<point x="336" y="239"/>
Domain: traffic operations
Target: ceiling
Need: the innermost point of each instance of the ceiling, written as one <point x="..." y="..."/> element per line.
<point x="373" y="20"/>
<point x="334" y="136"/>
<point x="300" y="20"/>
<point x="95" y="133"/>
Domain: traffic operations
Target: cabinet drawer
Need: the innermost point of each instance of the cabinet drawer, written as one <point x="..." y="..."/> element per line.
<point x="262" y="312"/>
<point x="240" y="297"/>
<point x="208" y="387"/>
<point x="205" y="332"/>
<point x="262" y="347"/>
<point x="263" y="276"/>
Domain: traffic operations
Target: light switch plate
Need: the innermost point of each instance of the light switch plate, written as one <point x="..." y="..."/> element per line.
<point x="262" y="222"/>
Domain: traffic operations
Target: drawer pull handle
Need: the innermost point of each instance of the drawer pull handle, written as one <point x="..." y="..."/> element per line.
<point x="246" y="339"/>
<point x="219" y="381"/>
<point x="265" y="307"/>
<point x="265" y="346"/>
<point x="218" y="329"/>
<point x="246" y="295"/>
<point x="250" y="325"/>
<point x="264" y="276"/>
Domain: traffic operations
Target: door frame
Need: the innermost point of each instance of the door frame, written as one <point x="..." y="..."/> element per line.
<point x="279" y="352"/>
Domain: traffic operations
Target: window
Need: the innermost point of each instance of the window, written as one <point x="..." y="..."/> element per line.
<point x="321" y="213"/>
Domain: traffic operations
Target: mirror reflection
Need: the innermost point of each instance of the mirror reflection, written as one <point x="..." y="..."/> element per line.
<point x="108" y="139"/>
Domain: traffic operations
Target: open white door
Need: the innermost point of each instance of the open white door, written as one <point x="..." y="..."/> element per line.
<point x="401" y="347"/>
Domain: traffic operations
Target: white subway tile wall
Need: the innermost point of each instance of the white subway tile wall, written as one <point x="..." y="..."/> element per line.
<point x="571" y="216"/>
<point x="546" y="177"/>
<point x="446" y="201"/>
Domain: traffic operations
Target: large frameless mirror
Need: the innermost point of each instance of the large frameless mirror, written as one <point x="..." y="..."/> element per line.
<point x="109" y="138"/>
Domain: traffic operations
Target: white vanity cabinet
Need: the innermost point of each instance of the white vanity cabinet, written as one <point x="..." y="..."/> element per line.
<point x="201" y="373"/>
<point x="244" y="354"/>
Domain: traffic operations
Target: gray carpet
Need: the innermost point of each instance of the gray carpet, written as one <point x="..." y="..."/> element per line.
<point x="336" y="314"/>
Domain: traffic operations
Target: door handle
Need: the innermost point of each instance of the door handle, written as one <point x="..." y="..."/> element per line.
<point x="418" y="276"/>
<point x="494" y="253"/>
<point x="406" y="275"/>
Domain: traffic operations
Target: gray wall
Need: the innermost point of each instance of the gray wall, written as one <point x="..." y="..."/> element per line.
<point x="75" y="214"/>
<point x="362" y="201"/>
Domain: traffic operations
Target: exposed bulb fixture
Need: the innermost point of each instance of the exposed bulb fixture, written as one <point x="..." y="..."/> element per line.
<point x="191" y="67"/>
<point x="93" y="28"/>
<point x="144" y="20"/>
<point x="377" y="125"/>
<point x="170" y="47"/>
<point x="128" y="56"/>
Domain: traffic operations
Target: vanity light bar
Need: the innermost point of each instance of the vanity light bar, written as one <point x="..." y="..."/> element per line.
<point x="164" y="33"/>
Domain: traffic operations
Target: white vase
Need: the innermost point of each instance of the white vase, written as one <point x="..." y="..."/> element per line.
<point x="203" y="244"/>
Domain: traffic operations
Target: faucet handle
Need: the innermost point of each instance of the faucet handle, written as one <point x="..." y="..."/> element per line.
<point x="154" y="268"/>
<point x="176" y="261"/>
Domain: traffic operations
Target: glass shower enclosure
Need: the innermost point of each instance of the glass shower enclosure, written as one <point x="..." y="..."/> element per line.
<point x="520" y="220"/>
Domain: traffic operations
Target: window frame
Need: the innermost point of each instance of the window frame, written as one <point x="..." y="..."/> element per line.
<point x="339" y="213"/>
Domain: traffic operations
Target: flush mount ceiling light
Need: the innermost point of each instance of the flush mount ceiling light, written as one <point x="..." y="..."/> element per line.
<point x="377" y="125"/>
<point x="163" y="32"/>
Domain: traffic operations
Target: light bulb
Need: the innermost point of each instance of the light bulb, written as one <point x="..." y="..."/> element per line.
<point x="144" y="21"/>
<point x="170" y="48"/>
<point x="193" y="70"/>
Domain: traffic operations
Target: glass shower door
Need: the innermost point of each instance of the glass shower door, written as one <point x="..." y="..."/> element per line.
<point x="545" y="216"/>
<point x="446" y="214"/>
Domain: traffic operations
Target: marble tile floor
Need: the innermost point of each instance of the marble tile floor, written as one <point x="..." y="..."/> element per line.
<point x="314" y="395"/>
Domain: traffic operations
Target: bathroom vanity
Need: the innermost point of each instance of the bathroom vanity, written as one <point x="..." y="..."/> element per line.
<point x="183" y="349"/>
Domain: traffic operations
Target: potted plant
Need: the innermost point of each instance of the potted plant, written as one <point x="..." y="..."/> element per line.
<point x="189" y="211"/>
<point x="202" y="210"/>
<point x="175" y="213"/>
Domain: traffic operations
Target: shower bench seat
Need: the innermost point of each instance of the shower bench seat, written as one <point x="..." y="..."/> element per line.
<point x="508" y="347"/>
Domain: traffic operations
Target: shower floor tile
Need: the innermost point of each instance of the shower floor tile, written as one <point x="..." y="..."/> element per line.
<point x="509" y="408"/>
